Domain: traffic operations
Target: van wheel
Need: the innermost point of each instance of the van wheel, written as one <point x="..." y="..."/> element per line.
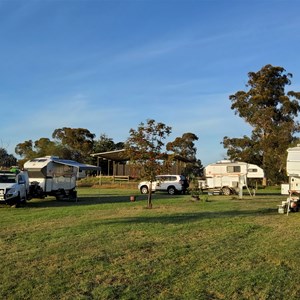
<point x="226" y="191"/>
<point x="144" y="190"/>
<point x="171" y="190"/>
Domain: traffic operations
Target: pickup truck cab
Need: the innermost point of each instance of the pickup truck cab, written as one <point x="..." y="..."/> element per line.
<point x="14" y="187"/>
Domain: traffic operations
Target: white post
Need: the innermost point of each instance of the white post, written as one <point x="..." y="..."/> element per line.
<point x="241" y="184"/>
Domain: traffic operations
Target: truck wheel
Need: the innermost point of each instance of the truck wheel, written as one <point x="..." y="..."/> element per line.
<point x="17" y="201"/>
<point x="144" y="189"/>
<point x="171" y="190"/>
<point x="226" y="191"/>
<point x="24" y="200"/>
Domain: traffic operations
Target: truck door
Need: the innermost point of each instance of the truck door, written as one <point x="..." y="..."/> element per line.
<point x="22" y="186"/>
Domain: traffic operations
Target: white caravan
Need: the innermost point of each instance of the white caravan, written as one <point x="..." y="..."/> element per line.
<point x="227" y="177"/>
<point x="293" y="187"/>
<point x="53" y="176"/>
<point x="293" y="168"/>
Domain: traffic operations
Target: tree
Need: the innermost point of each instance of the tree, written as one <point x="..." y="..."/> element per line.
<point x="145" y="149"/>
<point x="243" y="149"/>
<point x="45" y="146"/>
<point x="271" y="112"/>
<point x="184" y="147"/>
<point x="78" y="142"/>
<point x="69" y="143"/>
<point x="6" y="160"/>
<point x="42" y="147"/>
<point x="104" y="144"/>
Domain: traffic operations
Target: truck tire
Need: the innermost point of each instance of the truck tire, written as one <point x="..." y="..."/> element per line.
<point x="16" y="201"/>
<point x="171" y="190"/>
<point x="144" y="189"/>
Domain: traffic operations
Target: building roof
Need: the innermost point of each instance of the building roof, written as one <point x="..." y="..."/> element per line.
<point x="116" y="155"/>
<point x="121" y="155"/>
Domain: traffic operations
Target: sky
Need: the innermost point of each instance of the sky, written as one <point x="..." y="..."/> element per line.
<point x="108" y="65"/>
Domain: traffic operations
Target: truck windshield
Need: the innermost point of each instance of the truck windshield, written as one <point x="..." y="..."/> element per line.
<point x="11" y="178"/>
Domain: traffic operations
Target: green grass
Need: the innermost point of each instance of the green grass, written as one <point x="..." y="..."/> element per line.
<point x="106" y="247"/>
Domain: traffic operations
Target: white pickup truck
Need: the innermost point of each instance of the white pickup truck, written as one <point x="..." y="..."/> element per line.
<point x="14" y="187"/>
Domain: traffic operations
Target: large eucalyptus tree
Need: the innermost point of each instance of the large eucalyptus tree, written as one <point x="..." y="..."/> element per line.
<point x="271" y="111"/>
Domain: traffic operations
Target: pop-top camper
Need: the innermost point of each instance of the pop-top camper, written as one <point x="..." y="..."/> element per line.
<point x="53" y="176"/>
<point x="226" y="177"/>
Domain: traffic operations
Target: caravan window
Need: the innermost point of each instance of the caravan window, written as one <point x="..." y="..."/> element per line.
<point x="233" y="169"/>
<point x="37" y="173"/>
<point x="252" y="170"/>
<point x="63" y="170"/>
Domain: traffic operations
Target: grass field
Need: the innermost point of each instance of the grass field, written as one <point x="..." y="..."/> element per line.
<point x="106" y="247"/>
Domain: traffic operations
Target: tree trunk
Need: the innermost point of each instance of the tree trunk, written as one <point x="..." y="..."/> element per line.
<point x="149" y="202"/>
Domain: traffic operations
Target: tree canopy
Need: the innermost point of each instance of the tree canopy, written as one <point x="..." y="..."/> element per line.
<point x="69" y="143"/>
<point x="184" y="147"/>
<point x="79" y="142"/>
<point x="271" y="112"/>
<point x="7" y="160"/>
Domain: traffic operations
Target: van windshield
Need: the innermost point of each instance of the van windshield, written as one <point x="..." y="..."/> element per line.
<point x="11" y="178"/>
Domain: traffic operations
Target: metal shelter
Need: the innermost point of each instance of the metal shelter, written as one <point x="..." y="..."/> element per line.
<point x="119" y="158"/>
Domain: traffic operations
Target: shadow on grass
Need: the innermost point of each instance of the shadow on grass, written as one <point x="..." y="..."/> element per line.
<point x="85" y="200"/>
<point x="191" y="217"/>
<point x="92" y="200"/>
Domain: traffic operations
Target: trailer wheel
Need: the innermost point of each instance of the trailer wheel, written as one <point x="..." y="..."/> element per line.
<point x="226" y="191"/>
<point x="60" y="194"/>
<point x="73" y="195"/>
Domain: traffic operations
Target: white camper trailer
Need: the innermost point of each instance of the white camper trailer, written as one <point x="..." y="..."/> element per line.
<point x="53" y="176"/>
<point x="293" y="168"/>
<point x="228" y="177"/>
<point x="292" y="189"/>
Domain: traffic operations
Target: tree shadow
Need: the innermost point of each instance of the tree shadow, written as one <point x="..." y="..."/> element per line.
<point x="191" y="217"/>
<point x="92" y="200"/>
<point x="86" y="200"/>
<point x="81" y="201"/>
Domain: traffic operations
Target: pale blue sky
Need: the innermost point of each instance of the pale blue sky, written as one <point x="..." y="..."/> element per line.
<point x="109" y="65"/>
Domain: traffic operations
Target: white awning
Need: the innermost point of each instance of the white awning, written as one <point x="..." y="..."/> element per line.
<point x="75" y="164"/>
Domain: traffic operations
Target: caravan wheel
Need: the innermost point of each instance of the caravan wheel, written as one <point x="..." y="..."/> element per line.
<point x="226" y="191"/>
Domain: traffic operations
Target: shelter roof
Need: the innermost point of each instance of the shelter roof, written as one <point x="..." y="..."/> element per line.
<point x="76" y="164"/>
<point x="121" y="155"/>
<point x="116" y="155"/>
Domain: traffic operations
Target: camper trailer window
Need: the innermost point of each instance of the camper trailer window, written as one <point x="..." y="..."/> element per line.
<point x="233" y="169"/>
<point x="36" y="173"/>
<point x="63" y="170"/>
<point x="252" y="170"/>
